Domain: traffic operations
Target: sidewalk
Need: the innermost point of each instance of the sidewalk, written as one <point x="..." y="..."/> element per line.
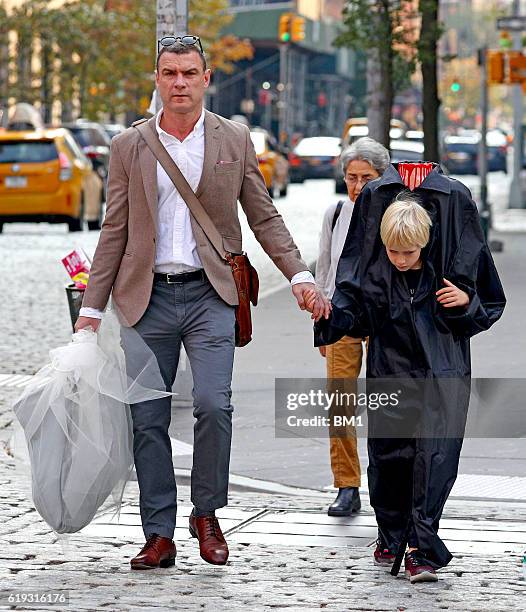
<point x="285" y="554"/>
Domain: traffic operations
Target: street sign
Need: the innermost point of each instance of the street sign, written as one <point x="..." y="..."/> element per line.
<point x="515" y="24"/>
<point x="516" y="67"/>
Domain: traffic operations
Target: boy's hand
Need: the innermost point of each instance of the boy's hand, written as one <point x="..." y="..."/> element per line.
<point x="451" y="296"/>
<point x="310" y="299"/>
<point x="317" y="304"/>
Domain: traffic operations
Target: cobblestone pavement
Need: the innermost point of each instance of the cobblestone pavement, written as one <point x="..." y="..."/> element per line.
<point x="95" y="569"/>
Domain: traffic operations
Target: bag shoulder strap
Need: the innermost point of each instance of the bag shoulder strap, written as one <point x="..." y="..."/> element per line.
<point x="336" y="214"/>
<point x="151" y="138"/>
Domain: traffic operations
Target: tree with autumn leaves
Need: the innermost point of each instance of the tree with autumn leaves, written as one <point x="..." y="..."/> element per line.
<point x="396" y="36"/>
<point x="98" y="56"/>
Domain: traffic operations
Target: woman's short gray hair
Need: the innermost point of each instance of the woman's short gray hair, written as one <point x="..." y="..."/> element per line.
<point x="368" y="150"/>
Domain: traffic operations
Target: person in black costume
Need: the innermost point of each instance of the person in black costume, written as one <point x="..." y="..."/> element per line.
<point x="419" y="323"/>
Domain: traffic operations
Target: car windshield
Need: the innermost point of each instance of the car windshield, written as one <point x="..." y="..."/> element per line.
<point x="324" y="147"/>
<point x="89" y="137"/>
<point x="258" y="140"/>
<point x="26" y="151"/>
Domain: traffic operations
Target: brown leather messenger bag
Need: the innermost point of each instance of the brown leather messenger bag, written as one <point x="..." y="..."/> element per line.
<point x="245" y="275"/>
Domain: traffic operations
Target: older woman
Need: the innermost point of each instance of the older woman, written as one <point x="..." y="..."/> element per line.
<point x="362" y="162"/>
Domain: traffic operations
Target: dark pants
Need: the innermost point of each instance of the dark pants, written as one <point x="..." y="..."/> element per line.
<point x="194" y="314"/>
<point x="410" y="478"/>
<point x="409" y="483"/>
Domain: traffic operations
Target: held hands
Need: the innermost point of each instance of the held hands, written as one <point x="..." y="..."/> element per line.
<point x="83" y="322"/>
<point x="451" y="296"/>
<point x="318" y="304"/>
<point x="310" y="298"/>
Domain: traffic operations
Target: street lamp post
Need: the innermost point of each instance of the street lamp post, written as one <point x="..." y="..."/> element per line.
<point x="172" y="18"/>
<point x="283" y="97"/>
<point x="483" y="145"/>
<point x="515" y="200"/>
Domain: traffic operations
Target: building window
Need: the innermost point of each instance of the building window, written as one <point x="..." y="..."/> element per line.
<point x="236" y="3"/>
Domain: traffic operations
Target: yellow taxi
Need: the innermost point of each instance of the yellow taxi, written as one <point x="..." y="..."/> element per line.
<point x="45" y="177"/>
<point x="273" y="165"/>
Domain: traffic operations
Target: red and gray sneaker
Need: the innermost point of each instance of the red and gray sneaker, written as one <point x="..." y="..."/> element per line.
<point x="382" y="555"/>
<point x="417" y="568"/>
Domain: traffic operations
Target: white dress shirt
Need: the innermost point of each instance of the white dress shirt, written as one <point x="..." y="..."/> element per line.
<point x="331" y="245"/>
<point x="176" y="249"/>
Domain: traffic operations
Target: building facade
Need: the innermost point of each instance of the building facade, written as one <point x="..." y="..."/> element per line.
<point x="307" y="86"/>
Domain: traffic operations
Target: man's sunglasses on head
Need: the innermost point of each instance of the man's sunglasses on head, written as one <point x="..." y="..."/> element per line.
<point x="188" y="40"/>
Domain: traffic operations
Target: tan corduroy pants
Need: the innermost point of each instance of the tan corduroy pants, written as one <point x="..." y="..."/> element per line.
<point x="344" y="362"/>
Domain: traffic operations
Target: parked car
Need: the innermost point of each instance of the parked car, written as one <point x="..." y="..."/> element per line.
<point x="460" y="153"/>
<point x="314" y="158"/>
<point x="272" y="163"/>
<point x="497" y="151"/>
<point x="45" y="177"/>
<point x="406" y="150"/>
<point x="112" y="129"/>
<point x="95" y="144"/>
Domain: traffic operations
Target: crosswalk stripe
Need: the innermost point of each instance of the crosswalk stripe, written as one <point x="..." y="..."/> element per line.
<point x="8" y="380"/>
<point x="21" y="379"/>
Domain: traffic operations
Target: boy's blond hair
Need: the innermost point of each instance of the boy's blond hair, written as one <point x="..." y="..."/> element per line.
<point x="405" y="223"/>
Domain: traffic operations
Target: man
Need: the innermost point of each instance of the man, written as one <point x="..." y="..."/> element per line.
<point x="171" y="286"/>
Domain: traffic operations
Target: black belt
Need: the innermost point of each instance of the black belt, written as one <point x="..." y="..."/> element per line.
<point x="180" y="278"/>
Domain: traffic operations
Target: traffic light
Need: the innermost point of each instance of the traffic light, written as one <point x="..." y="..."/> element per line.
<point x="455" y="86"/>
<point x="495" y="66"/>
<point x="516" y="67"/>
<point x="285" y="22"/>
<point x="505" y="41"/>
<point x="297" y="29"/>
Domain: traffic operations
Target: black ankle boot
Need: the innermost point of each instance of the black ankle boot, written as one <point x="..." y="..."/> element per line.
<point x="347" y="502"/>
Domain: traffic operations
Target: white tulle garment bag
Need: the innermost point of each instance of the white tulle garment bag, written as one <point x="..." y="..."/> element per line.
<point x="76" y="421"/>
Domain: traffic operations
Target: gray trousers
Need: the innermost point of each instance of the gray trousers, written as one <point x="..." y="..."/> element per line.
<point x="194" y="314"/>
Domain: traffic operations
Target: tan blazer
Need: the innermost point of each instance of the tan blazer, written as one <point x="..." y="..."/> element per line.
<point x="125" y="255"/>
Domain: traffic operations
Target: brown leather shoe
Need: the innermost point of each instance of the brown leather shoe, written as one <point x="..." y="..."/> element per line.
<point x="157" y="552"/>
<point x="212" y="544"/>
